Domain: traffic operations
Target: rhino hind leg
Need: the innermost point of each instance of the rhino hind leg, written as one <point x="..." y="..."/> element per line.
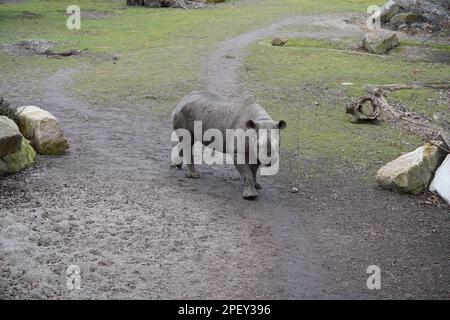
<point x="192" y="172"/>
<point x="254" y="168"/>
<point x="249" y="182"/>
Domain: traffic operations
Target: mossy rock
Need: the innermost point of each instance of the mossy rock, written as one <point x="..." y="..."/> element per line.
<point x="406" y="18"/>
<point x="18" y="161"/>
<point x="411" y="172"/>
<point x="278" y="42"/>
<point x="380" y="42"/>
<point x="10" y="137"/>
<point x="43" y="130"/>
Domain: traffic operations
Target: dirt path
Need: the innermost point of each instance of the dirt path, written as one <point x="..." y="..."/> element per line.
<point x="222" y="66"/>
<point x="137" y="228"/>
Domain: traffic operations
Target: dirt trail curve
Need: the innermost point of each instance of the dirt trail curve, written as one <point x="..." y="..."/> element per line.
<point x="222" y="66"/>
<point x="137" y="228"/>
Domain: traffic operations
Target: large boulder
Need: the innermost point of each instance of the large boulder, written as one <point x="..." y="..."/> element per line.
<point x="441" y="180"/>
<point x="18" y="161"/>
<point x="390" y="9"/>
<point x="43" y="130"/>
<point x="411" y="172"/>
<point x="10" y="137"/>
<point x="380" y="42"/>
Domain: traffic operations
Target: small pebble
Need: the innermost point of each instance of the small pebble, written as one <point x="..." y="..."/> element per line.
<point x="294" y="190"/>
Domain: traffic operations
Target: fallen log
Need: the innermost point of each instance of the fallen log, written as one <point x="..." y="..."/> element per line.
<point x="185" y="4"/>
<point x="67" y="53"/>
<point x="375" y="89"/>
<point x="386" y="106"/>
<point x="427" y="131"/>
<point x="365" y="108"/>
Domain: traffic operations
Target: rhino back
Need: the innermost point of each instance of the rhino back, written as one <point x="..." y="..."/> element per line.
<point x="212" y="110"/>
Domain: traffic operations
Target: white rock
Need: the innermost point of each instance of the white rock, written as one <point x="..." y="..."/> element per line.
<point x="441" y="180"/>
<point x="390" y="9"/>
<point x="43" y="130"/>
<point x="18" y="161"/>
<point x="411" y="172"/>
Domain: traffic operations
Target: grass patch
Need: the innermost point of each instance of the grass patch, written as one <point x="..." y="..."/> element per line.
<point x="9" y="111"/>
<point x="428" y="44"/>
<point x="302" y="84"/>
<point x="317" y="44"/>
<point x="425" y="101"/>
<point x="23" y="77"/>
<point x="161" y="49"/>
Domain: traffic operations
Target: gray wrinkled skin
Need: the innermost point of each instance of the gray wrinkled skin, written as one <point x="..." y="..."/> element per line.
<point x="217" y="112"/>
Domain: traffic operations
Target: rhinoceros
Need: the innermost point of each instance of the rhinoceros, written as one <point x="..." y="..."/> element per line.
<point x="216" y="112"/>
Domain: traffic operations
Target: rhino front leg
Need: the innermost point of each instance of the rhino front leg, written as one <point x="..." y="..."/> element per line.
<point x="249" y="182"/>
<point x="254" y="168"/>
<point x="192" y="172"/>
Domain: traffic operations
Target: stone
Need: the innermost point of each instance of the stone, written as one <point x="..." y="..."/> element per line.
<point x="441" y="181"/>
<point x="277" y="42"/>
<point x="390" y="9"/>
<point x="43" y="130"/>
<point x="380" y="42"/>
<point x="18" y="161"/>
<point x="411" y="172"/>
<point x="406" y="18"/>
<point x="10" y="137"/>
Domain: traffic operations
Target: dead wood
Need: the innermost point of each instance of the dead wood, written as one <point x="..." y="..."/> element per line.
<point x="67" y="53"/>
<point x="360" y="110"/>
<point x="417" y="124"/>
<point x="375" y="89"/>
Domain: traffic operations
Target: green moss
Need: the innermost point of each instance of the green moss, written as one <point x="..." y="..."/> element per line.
<point x="53" y="147"/>
<point x="18" y="161"/>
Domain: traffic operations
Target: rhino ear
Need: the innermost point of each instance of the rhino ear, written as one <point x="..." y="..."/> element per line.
<point x="282" y="124"/>
<point x="250" y="124"/>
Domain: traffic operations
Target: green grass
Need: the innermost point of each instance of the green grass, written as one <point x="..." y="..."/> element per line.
<point x="161" y="49"/>
<point x="9" y="111"/>
<point x="289" y="80"/>
<point x="317" y="44"/>
<point x="428" y="44"/>
<point x="425" y="101"/>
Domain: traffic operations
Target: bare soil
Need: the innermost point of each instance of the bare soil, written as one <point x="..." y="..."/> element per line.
<point x="137" y="228"/>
